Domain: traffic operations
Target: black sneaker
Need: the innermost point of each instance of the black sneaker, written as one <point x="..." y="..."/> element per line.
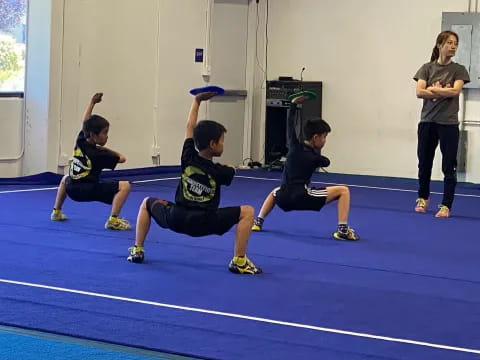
<point x="136" y="254"/>
<point x="349" y="235"/>
<point x="247" y="268"/>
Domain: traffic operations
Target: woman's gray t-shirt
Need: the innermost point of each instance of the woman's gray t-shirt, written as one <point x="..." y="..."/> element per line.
<point x="444" y="110"/>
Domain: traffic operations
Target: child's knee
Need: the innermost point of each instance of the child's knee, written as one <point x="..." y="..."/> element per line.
<point x="144" y="205"/>
<point x="345" y="190"/>
<point x="124" y="186"/>
<point x="247" y="211"/>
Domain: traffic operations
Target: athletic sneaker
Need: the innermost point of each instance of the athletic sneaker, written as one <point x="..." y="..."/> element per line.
<point x="117" y="224"/>
<point x="137" y="254"/>
<point x="349" y="235"/>
<point x="247" y="268"/>
<point x="58" y="215"/>
<point x="257" y="225"/>
<point x="421" y="205"/>
<point x="444" y="212"/>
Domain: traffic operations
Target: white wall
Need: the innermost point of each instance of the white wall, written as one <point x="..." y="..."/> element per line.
<point x="11" y="136"/>
<point x="140" y="54"/>
<point x="366" y="53"/>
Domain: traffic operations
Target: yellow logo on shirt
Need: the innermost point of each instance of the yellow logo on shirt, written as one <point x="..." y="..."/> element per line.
<point x="80" y="166"/>
<point x="197" y="185"/>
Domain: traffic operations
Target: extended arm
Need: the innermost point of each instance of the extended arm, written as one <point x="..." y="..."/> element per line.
<point x="121" y="157"/>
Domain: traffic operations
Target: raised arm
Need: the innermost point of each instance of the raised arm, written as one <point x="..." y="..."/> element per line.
<point x="193" y="114"/>
<point x="292" y="138"/>
<point x="96" y="98"/>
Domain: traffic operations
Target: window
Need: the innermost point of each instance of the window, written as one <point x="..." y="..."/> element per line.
<point x="12" y="45"/>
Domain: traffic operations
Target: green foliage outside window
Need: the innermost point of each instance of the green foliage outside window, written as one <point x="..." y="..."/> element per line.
<point x="9" y="60"/>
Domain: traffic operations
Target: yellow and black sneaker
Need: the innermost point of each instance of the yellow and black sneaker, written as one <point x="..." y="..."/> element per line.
<point x="116" y="223"/>
<point x="58" y="215"/>
<point x="348" y="235"/>
<point x="137" y="254"/>
<point x="242" y="265"/>
<point x="257" y="225"/>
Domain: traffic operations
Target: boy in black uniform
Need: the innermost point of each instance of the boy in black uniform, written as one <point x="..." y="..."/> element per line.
<point x="303" y="158"/>
<point x="195" y="211"/>
<point x="90" y="157"/>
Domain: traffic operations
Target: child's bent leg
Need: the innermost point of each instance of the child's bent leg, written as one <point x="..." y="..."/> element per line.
<point x="267" y="207"/>
<point x="244" y="228"/>
<point x="57" y="214"/>
<point x="120" y="197"/>
<point x="240" y="264"/>
<point x="342" y="194"/>
<point x="143" y="226"/>
<point x="114" y="222"/>
<point x="61" y="194"/>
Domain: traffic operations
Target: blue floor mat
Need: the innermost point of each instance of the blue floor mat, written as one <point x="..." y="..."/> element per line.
<point x="20" y="344"/>
<point x="411" y="277"/>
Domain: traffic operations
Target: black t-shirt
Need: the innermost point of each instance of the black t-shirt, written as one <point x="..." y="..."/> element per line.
<point x="89" y="161"/>
<point x="199" y="186"/>
<point x="302" y="160"/>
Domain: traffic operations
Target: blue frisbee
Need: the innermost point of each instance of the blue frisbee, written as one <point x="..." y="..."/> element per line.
<point x="211" y="88"/>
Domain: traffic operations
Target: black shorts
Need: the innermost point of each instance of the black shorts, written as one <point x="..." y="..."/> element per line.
<point x="300" y="198"/>
<point x="91" y="191"/>
<point x="193" y="222"/>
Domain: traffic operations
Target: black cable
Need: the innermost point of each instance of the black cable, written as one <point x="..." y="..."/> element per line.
<point x="243" y="162"/>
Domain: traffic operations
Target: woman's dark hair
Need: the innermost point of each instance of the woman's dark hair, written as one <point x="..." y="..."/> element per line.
<point x="206" y="131"/>
<point x="315" y="126"/>
<point x="441" y="40"/>
<point x="94" y="124"/>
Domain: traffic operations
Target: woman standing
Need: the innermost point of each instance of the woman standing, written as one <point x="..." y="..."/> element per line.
<point x="439" y="84"/>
